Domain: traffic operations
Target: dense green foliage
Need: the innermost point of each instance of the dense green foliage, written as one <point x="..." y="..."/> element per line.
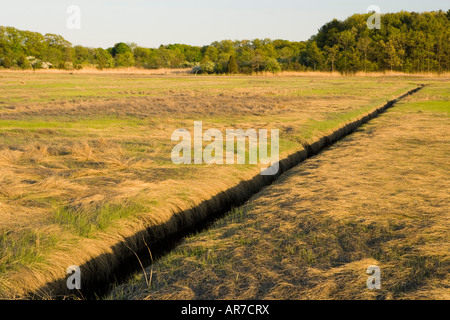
<point x="408" y="42"/>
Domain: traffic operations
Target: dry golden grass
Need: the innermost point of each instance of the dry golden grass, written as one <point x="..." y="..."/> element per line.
<point x="378" y="197"/>
<point x="357" y="74"/>
<point x="85" y="174"/>
<point x="162" y="71"/>
<point x="187" y="71"/>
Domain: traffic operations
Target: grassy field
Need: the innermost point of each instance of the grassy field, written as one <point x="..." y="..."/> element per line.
<point x="377" y="197"/>
<point x="85" y="158"/>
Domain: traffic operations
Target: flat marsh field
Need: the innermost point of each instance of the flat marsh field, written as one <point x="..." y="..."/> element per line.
<point x="85" y="164"/>
<point x="378" y="197"/>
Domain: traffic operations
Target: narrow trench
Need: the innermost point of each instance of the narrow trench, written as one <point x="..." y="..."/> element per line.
<point x="122" y="262"/>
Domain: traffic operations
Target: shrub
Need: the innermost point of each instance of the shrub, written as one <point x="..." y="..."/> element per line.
<point x="120" y="48"/>
<point x="37" y="65"/>
<point x="273" y="66"/>
<point x="23" y="62"/>
<point x="208" y="67"/>
<point x="103" y="59"/>
<point x="7" y="62"/>
<point x="197" y="69"/>
<point x="65" y="65"/>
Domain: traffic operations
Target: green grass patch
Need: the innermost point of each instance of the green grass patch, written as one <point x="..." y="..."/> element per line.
<point x="427" y="106"/>
<point x="23" y="248"/>
<point x="86" y="221"/>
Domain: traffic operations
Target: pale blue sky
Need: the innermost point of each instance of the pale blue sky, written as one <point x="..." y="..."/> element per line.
<point x="150" y="23"/>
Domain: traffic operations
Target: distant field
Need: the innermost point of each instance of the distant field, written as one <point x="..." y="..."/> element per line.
<point x="377" y="197"/>
<point x="85" y="158"/>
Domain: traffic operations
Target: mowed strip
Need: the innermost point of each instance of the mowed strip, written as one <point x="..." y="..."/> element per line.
<point x="378" y="197"/>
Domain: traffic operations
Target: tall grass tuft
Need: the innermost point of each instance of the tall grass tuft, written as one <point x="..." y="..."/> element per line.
<point x="86" y="220"/>
<point x="22" y="248"/>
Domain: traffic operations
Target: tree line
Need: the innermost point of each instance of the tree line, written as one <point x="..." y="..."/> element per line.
<point x="407" y="42"/>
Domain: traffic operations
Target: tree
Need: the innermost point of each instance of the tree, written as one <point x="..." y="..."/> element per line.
<point x="34" y="43"/>
<point x="120" y="48"/>
<point x="332" y="55"/>
<point x="363" y="45"/>
<point x="286" y="53"/>
<point x="125" y="59"/>
<point x="233" y="67"/>
<point x="392" y="58"/>
<point x="408" y="42"/>
<point x="57" y="41"/>
<point x="313" y="57"/>
<point x="211" y="53"/>
<point x="346" y="40"/>
<point x="103" y="59"/>
<point x="83" y="55"/>
<point x="258" y="60"/>
<point x="141" y="57"/>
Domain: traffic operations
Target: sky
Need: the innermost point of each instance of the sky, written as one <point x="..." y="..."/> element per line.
<point x="150" y="23"/>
